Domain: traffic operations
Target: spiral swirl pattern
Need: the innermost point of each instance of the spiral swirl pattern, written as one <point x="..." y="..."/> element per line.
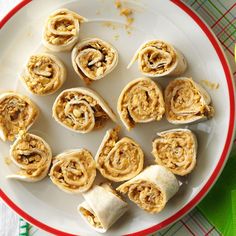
<point x="146" y="195"/>
<point x="186" y="102"/>
<point x="93" y="59"/>
<point x="44" y="74"/>
<point x="119" y="160"/>
<point x="151" y="189"/>
<point x="157" y="58"/>
<point x="61" y="30"/>
<point x="73" y="171"/>
<point x="176" y="149"/>
<point x="17" y="113"/>
<point x="32" y="155"/>
<point x="81" y="110"/>
<point x="140" y="101"/>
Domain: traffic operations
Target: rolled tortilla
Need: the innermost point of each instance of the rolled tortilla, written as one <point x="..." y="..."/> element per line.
<point x="119" y="160"/>
<point x="81" y="110"/>
<point x="141" y="101"/>
<point x="32" y="155"/>
<point x="157" y="58"/>
<point x="176" y="149"/>
<point x="93" y="59"/>
<point x="102" y="207"/>
<point x="44" y="74"/>
<point x="187" y="102"/>
<point x="61" y="30"/>
<point x="17" y="113"/>
<point x="152" y="188"/>
<point x="73" y="171"/>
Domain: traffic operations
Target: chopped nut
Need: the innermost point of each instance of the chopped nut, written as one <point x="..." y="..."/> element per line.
<point x="77" y="113"/>
<point x="126" y="12"/>
<point x="55" y="41"/>
<point x="130" y="20"/>
<point x="118" y="4"/>
<point x="99" y="71"/>
<point x="70" y="27"/>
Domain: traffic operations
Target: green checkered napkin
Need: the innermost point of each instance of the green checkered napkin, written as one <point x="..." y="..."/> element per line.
<point x="24" y="228"/>
<point x="219" y="206"/>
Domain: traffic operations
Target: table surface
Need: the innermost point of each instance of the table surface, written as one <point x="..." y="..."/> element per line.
<point x="220" y="16"/>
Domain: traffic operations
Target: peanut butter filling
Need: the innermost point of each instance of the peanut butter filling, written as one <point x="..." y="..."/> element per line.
<point x="156" y="57"/>
<point x="185" y="102"/>
<point x="146" y="195"/>
<point x="62" y="27"/>
<point x="94" y="58"/>
<point x="141" y="102"/>
<point x="79" y="111"/>
<point x="120" y="160"/>
<point x="44" y="74"/>
<point x="91" y="218"/>
<point x="176" y="151"/>
<point x="74" y="171"/>
<point x="32" y="155"/>
<point x="17" y="113"/>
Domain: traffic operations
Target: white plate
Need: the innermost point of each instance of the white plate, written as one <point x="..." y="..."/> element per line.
<point x="43" y="204"/>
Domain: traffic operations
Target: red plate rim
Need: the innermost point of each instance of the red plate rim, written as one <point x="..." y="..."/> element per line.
<point x="219" y="166"/>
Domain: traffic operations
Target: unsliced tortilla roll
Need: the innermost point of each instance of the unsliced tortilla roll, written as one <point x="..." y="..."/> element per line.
<point x="186" y="102"/>
<point x="44" y="74"/>
<point x="93" y="59"/>
<point x="17" y="113"/>
<point x="73" y="171"/>
<point x="119" y="160"/>
<point x="157" y="58"/>
<point x="81" y="110"/>
<point x="102" y="207"/>
<point x="61" y="30"/>
<point x="176" y="149"/>
<point x="141" y="101"/>
<point x="152" y="188"/>
<point x="32" y="155"/>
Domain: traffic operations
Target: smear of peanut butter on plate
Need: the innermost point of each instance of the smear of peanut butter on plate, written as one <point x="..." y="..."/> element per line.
<point x="7" y="160"/>
<point x="127" y="13"/>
